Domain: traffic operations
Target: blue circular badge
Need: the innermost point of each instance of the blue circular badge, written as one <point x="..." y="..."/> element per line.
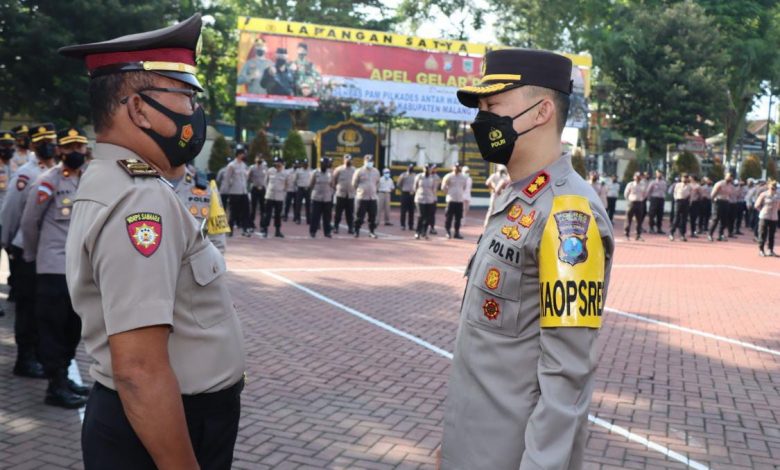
<point x="572" y="246"/>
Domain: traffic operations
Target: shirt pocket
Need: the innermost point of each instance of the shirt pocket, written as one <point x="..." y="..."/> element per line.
<point x="210" y="301"/>
<point x="63" y="207"/>
<point x="492" y="300"/>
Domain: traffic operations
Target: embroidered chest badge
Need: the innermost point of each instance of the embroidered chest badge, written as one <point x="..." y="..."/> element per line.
<point x="528" y="219"/>
<point x="539" y="182"/>
<point x="511" y="232"/>
<point x="491" y="309"/>
<point x="145" y="231"/>
<point x="572" y="233"/>
<point x="492" y="278"/>
<point x="514" y="212"/>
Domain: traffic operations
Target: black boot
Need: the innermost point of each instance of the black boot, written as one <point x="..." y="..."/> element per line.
<point x="27" y="366"/>
<point x="81" y="390"/>
<point x="278" y="234"/>
<point x="458" y="236"/>
<point x="59" y="393"/>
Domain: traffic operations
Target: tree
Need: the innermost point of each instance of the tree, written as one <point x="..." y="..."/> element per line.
<point x="686" y="162"/>
<point x="750" y="168"/>
<point x="631" y="168"/>
<point x="220" y="152"/>
<point x="461" y="15"/>
<point x="664" y="65"/>
<point x="293" y="148"/>
<point x="259" y="145"/>
<point x="716" y="172"/>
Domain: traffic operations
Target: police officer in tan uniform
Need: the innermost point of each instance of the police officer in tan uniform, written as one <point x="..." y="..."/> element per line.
<point x="44" y="142"/>
<point x="257" y="191"/>
<point x="321" y="189"/>
<point x="721" y="194"/>
<point x="197" y="198"/>
<point x="365" y="181"/>
<point x="302" y="192"/>
<point x="237" y="175"/>
<point x="345" y="194"/>
<point x="454" y="186"/>
<point x="525" y="355"/>
<point x="406" y="186"/>
<point x="276" y="180"/>
<point x="44" y="226"/>
<point x="150" y="288"/>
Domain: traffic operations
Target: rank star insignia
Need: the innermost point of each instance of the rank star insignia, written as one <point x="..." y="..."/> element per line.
<point x="492" y="278"/>
<point x="491" y="309"/>
<point x="511" y="232"/>
<point x="538" y="183"/>
<point x="145" y="231"/>
<point x="514" y="212"/>
<point x="528" y="219"/>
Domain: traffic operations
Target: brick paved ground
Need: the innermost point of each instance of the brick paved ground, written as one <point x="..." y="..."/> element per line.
<point x="689" y="357"/>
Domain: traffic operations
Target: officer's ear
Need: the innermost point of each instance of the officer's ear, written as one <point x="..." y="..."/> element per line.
<point x="136" y="110"/>
<point x="545" y="113"/>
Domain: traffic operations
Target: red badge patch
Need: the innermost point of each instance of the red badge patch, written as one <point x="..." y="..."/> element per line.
<point x="186" y="133"/>
<point x="539" y="182"/>
<point x="21" y="182"/>
<point x="45" y="191"/>
<point x="491" y="309"/>
<point x="145" y="231"/>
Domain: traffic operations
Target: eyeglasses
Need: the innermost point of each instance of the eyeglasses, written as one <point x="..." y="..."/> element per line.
<point x="189" y="92"/>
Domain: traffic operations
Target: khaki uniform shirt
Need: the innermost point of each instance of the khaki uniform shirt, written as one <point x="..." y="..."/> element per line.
<point x="682" y="191"/>
<point x="198" y="202"/>
<point x="236" y="177"/>
<point x="454" y="185"/>
<point x="15" y="200"/>
<point x="257" y="176"/>
<point x="276" y="184"/>
<point x="322" y="186"/>
<point x="722" y="191"/>
<point x="424" y="189"/>
<point x="302" y="178"/>
<point x="634" y="192"/>
<point x="601" y="191"/>
<point x="222" y="182"/>
<point x="135" y="257"/>
<point x="366" y="181"/>
<point x="342" y="176"/>
<point x="46" y="219"/>
<point x="657" y="188"/>
<point x="289" y="174"/>
<point x="406" y="182"/>
<point x="525" y="354"/>
<point x="705" y="191"/>
<point x="768" y="205"/>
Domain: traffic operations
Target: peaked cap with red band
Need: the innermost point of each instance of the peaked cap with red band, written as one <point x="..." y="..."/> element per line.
<point x="171" y="52"/>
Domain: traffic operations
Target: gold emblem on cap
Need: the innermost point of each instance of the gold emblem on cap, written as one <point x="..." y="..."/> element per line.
<point x="41" y="130"/>
<point x="73" y="133"/>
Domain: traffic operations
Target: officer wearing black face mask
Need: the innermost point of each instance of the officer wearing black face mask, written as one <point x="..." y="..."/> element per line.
<point x="525" y="355"/>
<point x="23" y="152"/>
<point x="138" y="264"/>
<point x="25" y="328"/>
<point x="44" y="227"/>
<point x="279" y="79"/>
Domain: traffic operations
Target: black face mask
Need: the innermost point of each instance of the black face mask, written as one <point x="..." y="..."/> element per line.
<point x="496" y="136"/>
<point x="74" y="160"/>
<point x="6" y="153"/>
<point x="259" y="52"/>
<point x="187" y="142"/>
<point x="46" y="150"/>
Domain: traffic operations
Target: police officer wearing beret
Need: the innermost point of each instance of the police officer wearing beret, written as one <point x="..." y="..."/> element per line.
<point x="150" y="288"/>
<point x="44" y="226"/>
<point x="525" y="357"/>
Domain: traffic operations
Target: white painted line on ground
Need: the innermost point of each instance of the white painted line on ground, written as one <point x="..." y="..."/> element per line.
<point x="75" y="375"/>
<point x="692" y="331"/>
<point x="696" y="266"/>
<point x="342" y="269"/>
<point x="421" y="342"/>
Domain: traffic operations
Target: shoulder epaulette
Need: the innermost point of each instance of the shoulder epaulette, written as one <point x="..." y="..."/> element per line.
<point x="138" y="168"/>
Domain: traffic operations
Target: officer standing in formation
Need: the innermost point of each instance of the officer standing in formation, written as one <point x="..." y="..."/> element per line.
<point x="705" y="193"/>
<point x="276" y="180"/>
<point x="454" y="186"/>
<point x="635" y="195"/>
<point x="467" y="196"/>
<point x="613" y="192"/>
<point x="158" y="320"/>
<point x="236" y="177"/>
<point x="435" y="207"/>
<point x="23" y="153"/>
<point x="656" y="191"/>
<point x="496" y="183"/>
<point x="43" y="138"/>
<point x="257" y="192"/>
<point x="302" y="198"/>
<point x="768" y="206"/>
<point x="44" y="228"/>
<point x="365" y="181"/>
<point x="694" y="210"/>
<point x="384" y="193"/>
<point x="425" y="199"/>
<point x="199" y="198"/>
<point x="292" y="190"/>
<point x="345" y="194"/>
<point x="525" y="355"/>
<point x="721" y="194"/>
<point x="406" y="186"/>
<point x="682" y="200"/>
<point x="321" y="187"/>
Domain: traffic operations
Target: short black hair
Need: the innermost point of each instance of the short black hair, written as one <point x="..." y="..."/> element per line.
<point x="105" y="93"/>
<point x="562" y="101"/>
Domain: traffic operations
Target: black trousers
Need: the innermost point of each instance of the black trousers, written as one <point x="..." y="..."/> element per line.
<point x="766" y="230"/>
<point x="433" y="216"/>
<point x="656" y="213"/>
<point x="694" y="212"/>
<point x="302" y="200"/>
<point x="25" y="325"/>
<point x="257" y="202"/>
<point x="320" y="210"/>
<point x="681" y="216"/>
<point x="289" y="202"/>
<point x="407" y="210"/>
<point x="225" y="201"/>
<point x="11" y="269"/>
<point x="425" y="217"/>
<point x="59" y="328"/>
<point x="739" y="215"/>
<point x="272" y="208"/>
<point x="454" y="211"/>
<point x="108" y="441"/>
<point x="611" y="203"/>
<point x="722" y="209"/>
<point x="239" y="211"/>
<point x="346" y="205"/>
<point x="636" y="210"/>
<point x="705" y="214"/>
<point x="370" y="207"/>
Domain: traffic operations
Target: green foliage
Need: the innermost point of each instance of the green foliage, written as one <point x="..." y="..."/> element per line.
<point x="716" y="172"/>
<point x="220" y="152"/>
<point x="259" y="146"/>
<point x="750" y="168"/>
<point x="460" y="15"/>
<point x="578" y="162"/>
<point x="631" y="168"/>
<point x="686" y="162"/>
<point x="293" y="148"/>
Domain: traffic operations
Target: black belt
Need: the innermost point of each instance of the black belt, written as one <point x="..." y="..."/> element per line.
<point x="200" y="400"/>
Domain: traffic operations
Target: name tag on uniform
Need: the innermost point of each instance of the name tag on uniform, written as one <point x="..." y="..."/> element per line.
<point x="571" y="266"/>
